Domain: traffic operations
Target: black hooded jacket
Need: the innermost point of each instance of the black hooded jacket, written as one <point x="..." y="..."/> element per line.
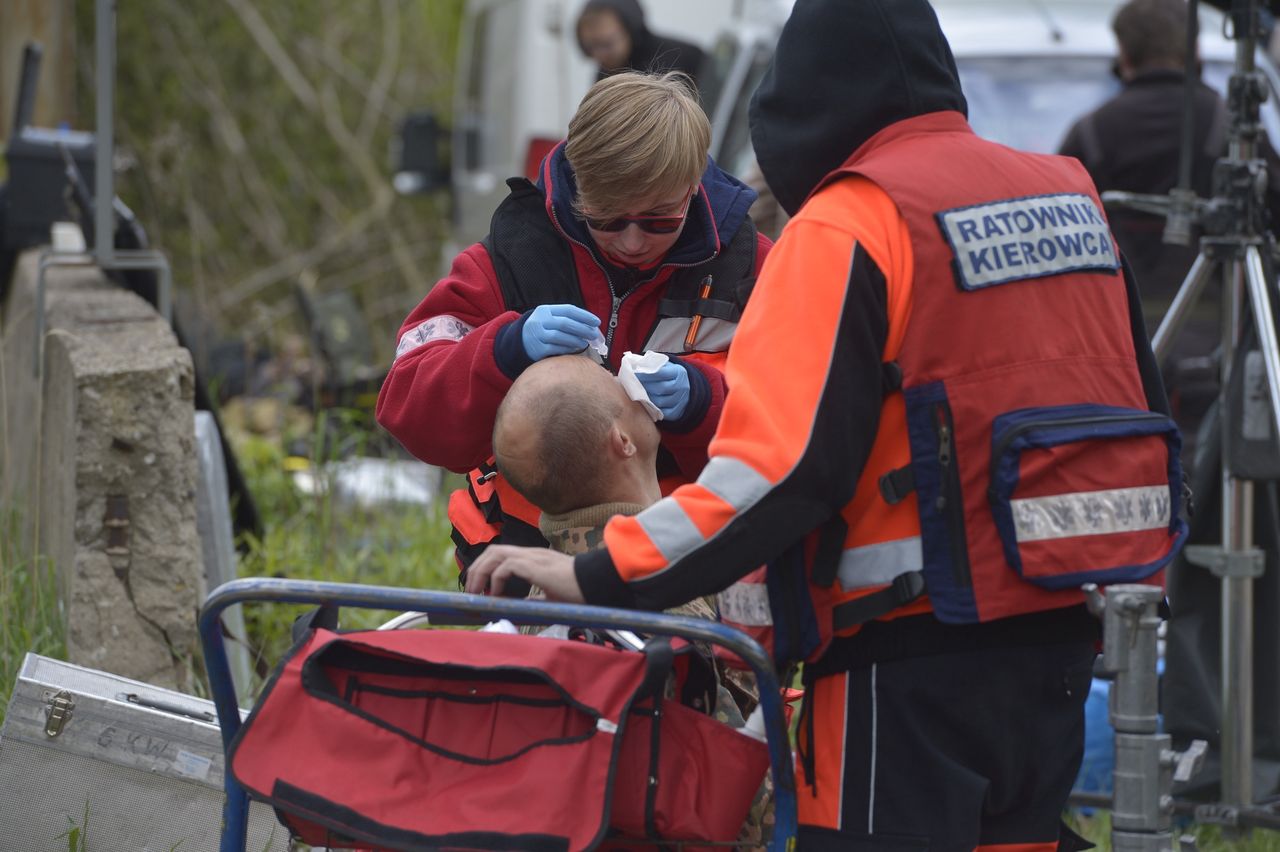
<point x="844" y="71"/>
<point x="649" y="52"/>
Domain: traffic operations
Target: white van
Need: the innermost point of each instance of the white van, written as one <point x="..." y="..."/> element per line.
<point x="520" y="77"/>
<point x="1028" y="70"/>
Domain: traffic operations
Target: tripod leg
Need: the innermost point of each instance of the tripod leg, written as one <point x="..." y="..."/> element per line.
<point x="1260" y="301"/>
<point x="1188" y="293"/>
<point x="1237" y="525"/>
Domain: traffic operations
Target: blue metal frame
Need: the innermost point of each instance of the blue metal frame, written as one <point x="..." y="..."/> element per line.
<point x="263" y="590"/>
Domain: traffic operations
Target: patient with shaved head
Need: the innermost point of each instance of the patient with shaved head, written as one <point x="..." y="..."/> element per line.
<point x="570" y="440"/>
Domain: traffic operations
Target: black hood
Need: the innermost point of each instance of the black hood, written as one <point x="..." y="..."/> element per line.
<point x="631" y="13"/>
<point x="844" y="70"/>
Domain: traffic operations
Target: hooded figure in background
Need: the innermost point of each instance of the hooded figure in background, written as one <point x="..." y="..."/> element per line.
<point x="613" y="34"/>
<point x="945" y="418"/>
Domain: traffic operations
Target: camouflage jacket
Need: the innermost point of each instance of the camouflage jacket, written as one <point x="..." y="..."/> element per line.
<point x="583" y="530"/>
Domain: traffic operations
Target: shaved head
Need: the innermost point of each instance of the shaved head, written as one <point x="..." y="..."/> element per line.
<point x="553" y="434"/>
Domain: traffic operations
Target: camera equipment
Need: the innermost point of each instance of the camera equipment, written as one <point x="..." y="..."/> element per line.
<point x="35" y="157"/>
<point x="1238" y="252"/>
<point x="1146" y="764"/>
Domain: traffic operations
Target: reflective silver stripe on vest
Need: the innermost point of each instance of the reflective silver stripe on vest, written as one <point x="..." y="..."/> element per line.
<point x="746" y="604"/>
<point x="670" y="529"/>
<point x="733" y="481"/>
<point x="714" y="335"/>
<point x="1116" y="510"/>
<point x="877" y="564"/>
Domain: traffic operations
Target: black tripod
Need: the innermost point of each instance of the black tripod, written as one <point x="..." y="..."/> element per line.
<point x="1237" y="252"/>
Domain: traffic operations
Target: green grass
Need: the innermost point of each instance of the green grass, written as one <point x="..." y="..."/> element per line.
<point x="30" y="615"/>
<point x="316" y="538"/>
<point x="1208" y="838"/>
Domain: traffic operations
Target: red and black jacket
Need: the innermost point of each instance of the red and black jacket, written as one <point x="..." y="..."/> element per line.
<point x="460" y="349"/>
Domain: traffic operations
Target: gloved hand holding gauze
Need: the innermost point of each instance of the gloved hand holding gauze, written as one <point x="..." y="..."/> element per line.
<point x="664" y="384"/>
<point x="632" y="364"/>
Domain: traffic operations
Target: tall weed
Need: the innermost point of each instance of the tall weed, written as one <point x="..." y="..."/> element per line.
<point x="30" y="615"/>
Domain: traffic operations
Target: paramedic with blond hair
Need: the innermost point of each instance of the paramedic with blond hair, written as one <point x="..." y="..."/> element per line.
<point x="631" y="239"/>
<point x="945" y="419"/>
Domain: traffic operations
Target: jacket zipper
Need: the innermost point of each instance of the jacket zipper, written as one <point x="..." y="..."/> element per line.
<point x="949" y="503"/>
<point x="613" y="315"/>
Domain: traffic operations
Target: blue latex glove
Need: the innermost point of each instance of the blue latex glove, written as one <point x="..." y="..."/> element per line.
<point x="557" y="330"/>
<point x="668" y="389"/>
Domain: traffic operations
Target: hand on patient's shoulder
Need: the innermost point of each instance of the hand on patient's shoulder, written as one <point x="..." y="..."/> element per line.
<point x="547" y="569"/>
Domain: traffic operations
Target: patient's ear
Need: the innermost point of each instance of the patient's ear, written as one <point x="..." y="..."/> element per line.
<point x="620" y="442"/>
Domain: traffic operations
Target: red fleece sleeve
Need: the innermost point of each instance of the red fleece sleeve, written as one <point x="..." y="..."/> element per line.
<point x="443" y="390"/>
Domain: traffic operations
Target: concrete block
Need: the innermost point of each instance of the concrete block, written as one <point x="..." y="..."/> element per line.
<point x="100" y="453"/>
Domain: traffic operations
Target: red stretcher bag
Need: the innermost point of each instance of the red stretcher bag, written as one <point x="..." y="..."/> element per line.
<point x="425" y="739"/>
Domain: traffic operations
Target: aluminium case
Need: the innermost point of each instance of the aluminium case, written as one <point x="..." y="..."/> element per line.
<point x="144" y="763"/>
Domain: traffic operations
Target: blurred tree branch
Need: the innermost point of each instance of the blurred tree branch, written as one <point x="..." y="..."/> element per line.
<point x="260" y="132"/>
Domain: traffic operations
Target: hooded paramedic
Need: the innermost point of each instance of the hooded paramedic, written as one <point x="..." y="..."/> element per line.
<point x="944" y="418"/>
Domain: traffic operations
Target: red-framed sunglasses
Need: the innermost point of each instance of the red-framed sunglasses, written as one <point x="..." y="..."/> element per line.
<point x="648" y="224"/>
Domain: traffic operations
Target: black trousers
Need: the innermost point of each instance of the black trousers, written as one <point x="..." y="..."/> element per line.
<point x="974" y="749"/>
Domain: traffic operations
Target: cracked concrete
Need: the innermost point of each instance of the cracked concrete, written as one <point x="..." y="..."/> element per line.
<point x="101" y="452"/>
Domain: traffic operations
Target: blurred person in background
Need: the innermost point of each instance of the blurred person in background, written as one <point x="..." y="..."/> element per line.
<point x="1132" y="143"/>
<point x="632" y="239"/>
<point x="614" y="35"/>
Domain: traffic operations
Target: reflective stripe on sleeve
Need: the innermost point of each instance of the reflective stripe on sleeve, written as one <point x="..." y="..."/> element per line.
<point x="674" y="533"/>
<point x="878" y="564"/>
<point x="733" y="481"/>
<point x="670" y="529"/>
<point x="443" y="327"/>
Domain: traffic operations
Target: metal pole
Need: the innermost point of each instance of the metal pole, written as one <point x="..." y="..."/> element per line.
<point x="1237" y="503"/>
<point x="104" y="180"/>
<point x="1237" y="592"/>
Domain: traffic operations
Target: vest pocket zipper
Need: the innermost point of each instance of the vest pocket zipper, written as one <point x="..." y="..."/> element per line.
<point x="1116" y="419"/>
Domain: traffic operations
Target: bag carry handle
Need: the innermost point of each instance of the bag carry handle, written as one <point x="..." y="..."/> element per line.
<point x="323" y="617"/>
<point x="659" y="656"/>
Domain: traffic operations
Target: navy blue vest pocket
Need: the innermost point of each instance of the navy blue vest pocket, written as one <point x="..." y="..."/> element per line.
<point x="944" y="540"/>
<point x="1086" y="493"/>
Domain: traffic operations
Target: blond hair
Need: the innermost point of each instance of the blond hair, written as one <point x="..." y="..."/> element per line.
<point x="636" y="137"/>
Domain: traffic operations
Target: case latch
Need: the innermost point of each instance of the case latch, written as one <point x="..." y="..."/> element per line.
<point x="60" y="708"/>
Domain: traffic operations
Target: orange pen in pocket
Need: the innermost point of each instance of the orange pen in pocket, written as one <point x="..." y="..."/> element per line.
<point x="697" y="317"/>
